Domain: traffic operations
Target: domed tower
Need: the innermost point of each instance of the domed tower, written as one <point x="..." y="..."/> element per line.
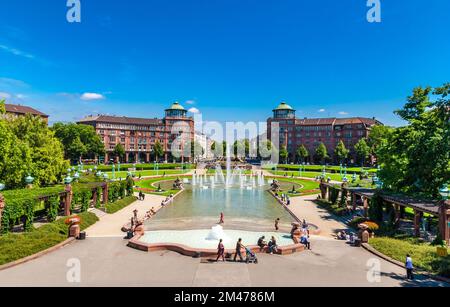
<point x="176" y="110"/>
<point x="284" y="111"/>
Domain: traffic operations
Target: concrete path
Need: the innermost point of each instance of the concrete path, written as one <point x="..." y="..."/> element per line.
<point x="109" y="262"/>
<point x="105" y="260"/>
<point x="304" y="208"/>
<point x="110" y="225"/>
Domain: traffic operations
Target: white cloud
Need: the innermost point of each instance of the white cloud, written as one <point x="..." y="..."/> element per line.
<point x="21" y="96"/>
<point x="343" y="113"/>
<point x="191" y="102"/>
<point x="321" y="110"/>
<point x="16" y="52"/>
<point x="92" y="96"/>
<point x="194" y="110"/>
<point x="4" y="95"/>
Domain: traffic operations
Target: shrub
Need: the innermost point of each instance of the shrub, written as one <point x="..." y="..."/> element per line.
<point x="52" y="209"/>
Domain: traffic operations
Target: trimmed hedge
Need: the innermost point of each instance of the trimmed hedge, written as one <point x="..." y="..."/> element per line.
<point x="329" y="169"/>
<point x="17" y="246"/>
<point x="139" y="167"/>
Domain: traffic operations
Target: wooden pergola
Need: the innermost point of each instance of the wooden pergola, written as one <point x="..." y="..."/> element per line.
<point x="439" y="209"/>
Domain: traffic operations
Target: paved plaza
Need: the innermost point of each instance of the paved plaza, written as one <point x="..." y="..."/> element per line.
<point x="107" y="261"/>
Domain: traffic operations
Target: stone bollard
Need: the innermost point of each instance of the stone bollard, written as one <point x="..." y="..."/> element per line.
<point x="74" y="226"/>
<point x="365" y="236"/>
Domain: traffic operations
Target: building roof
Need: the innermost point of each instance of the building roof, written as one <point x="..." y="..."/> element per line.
<point x="176" y="106"/>
<point x="335" y="121"/>
<point x="120" y="120"/>
<point x="19" y="109"/>
<point x="284" y="106"/>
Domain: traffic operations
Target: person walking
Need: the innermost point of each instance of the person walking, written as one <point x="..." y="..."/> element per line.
<point x="277" y="221"/>
<point x="220" y="251"/>
<point x="221" y="221"/>
<point x="409" y="267"/>
<point x="239" y="247"/>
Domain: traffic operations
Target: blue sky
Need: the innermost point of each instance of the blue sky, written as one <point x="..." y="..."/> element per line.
<point x="234" y="60"/>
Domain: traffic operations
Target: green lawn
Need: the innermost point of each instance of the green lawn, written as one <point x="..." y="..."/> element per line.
<point x="423" y="254"/>
<point x="15" y="246"/>
<point x="123" y="174"/>
<point x="151" y="184"/>
<point x="120" y="204"/>
<point x="329" y="168"/>
<point x="309" y="186"/>
<point x="334" y="177"/>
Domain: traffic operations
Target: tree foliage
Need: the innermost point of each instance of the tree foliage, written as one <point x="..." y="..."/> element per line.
<point x="416" y="158"/>
<point x="321" y="152"/>
<point x="79" y="140"/>
<point x="284" y="153"/>
<point x="119" y="151"/>
<point x="29" y="147"/>
<point x="341" y="152"/>
<point x="158" y="150"/>
<point x="362" y="150"/>
<point x="302" y="153"/>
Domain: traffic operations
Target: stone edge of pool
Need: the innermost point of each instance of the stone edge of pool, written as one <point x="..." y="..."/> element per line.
<point x="136" y="243"/>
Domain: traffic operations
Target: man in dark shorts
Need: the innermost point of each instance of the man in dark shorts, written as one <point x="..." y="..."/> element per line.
<point x="239" y="247"/>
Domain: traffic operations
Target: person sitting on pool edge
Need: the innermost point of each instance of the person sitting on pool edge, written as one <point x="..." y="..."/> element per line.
<point x="262" y="243"/>
<point x="273" y="248"/>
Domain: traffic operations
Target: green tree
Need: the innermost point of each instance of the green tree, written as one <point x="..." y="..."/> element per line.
<point x="79" y="141"/>
<point x="15" y="158"/>
<point x="119" y="151"/>
<point x="341" y="152"/>
<point x="362" y="150"/>
<point x="47" y="153"/>
<point x="378" y="137"/>
<point x="416" y="158"/>
<point x="266" y="149"/>
<point x="197" y="150"/>
<point x="284" y="154"/>
<point x="2" y="107"/>
<point x="302" y="153"/>
<point x="241" y="148"/>
<point x="321" y="153"/>
<point x="158" y="150"/>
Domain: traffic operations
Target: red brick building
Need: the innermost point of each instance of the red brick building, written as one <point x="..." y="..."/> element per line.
<point x="139" y="135"/>
<point x="310" y="132"/>
<point x="20" y="110"/>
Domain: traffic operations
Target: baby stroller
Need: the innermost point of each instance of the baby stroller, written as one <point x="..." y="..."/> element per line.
<point x="250" y="256"/>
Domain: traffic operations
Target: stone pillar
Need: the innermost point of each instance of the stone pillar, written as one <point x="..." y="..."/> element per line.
<point x="106" y="157"/>
<point x="353" y="196"/>
<point x="105" y="194"/>
<point x="147" y="157"/>
<point x="444" y="220"/>
<point x="417" y="218"/>
<point x="68" y="199"/>
<point x="136" y="157"/>
<point x="397" y="213"/>
<point x="2" y="206"/>
<point x="366" y="206"/>
<point x="126" y="157"/>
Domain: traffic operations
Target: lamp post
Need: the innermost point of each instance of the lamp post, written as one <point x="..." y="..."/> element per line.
<point x="68" y="180"/>
<point x="76" y="176"/>
<point x="445" y="192"/>
<point x="340" y="169"/>
<point x="113" y="171"/>
<point x="29" y="181"/>
<point x="354" y="177"/>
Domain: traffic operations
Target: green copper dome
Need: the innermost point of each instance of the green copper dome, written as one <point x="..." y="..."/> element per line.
<point x="176" y="106"/>
<point x="284" y="106"/>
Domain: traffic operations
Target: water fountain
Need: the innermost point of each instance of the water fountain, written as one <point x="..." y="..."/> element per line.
<point x="216" y="233"/>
